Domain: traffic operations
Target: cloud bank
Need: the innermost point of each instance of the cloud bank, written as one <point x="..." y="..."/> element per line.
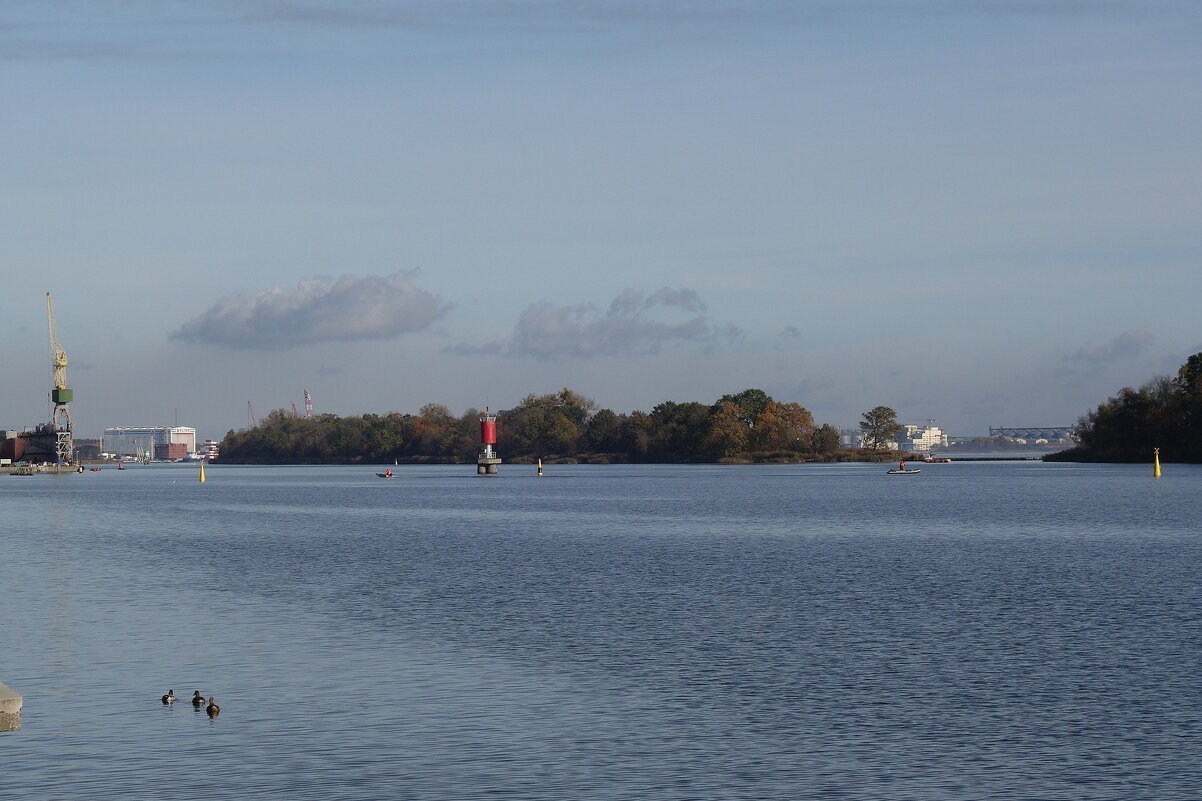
<point x="108" y="30"/>
<point x="1124" y="346"/>
<point x="318" y="310"/>
<point x="634" y="324"/>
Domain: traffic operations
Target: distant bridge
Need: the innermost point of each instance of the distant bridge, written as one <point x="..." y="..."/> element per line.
<point x="1034" y="432"/>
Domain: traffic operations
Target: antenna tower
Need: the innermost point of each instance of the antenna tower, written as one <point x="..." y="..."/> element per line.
<point x="308" y="404"/>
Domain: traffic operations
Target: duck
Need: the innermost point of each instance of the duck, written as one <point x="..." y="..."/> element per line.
<point x="212" y="708"/>
<point x="169" y="698"/>
<point x="197" y="699"/>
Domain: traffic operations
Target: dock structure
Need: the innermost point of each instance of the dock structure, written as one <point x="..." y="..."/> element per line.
<point x="10" y="709"/>
<point x="31" y="469"/>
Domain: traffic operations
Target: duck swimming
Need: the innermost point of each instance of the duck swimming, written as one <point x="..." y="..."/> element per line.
<point x="197" y="699"/>
<point x="212" y="708"/>
<point x="169" y="697"/>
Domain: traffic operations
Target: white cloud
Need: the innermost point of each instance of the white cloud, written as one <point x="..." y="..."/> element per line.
<point x="634" y="324"/>
<point x="318" y="310"/>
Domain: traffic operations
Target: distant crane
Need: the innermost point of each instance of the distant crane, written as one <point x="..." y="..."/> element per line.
<point x="295" y="413"/>
<point x="308" y="404"/>
<point x="61" y="396"/>
<point x="251" y="420"/>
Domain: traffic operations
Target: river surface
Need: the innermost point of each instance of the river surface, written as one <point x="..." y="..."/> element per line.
<point x="1011" y="630"/>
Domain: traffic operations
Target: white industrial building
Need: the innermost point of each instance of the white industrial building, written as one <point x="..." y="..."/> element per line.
<point x="140" y="442"/>
<point x="921" y="439"/>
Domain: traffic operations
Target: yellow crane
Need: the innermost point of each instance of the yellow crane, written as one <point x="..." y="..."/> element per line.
<point x="60" y="418"/>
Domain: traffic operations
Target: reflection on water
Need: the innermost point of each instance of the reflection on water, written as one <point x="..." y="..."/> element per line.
<point x="985" y="631"/>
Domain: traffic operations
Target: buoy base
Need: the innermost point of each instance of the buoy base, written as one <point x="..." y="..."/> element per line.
<point x="10" y="709"/>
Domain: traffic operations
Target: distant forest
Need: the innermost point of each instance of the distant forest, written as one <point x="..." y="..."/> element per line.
<point x="565" y="426"/>
<point x="1164" y="413"/>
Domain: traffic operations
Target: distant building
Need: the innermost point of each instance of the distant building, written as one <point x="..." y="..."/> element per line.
<point x="171" y="452"/>
<point x="142" y="443"/>
<point x="854" y="438"/>
<point x="921" y="439"/>
<point x="210" y="451"/>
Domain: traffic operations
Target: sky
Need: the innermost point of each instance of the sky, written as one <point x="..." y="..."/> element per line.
<point x="977" y="213"/>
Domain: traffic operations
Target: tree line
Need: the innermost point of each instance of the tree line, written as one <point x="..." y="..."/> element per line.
<point x="1165" y="413"/>
<point x="749" y="426"/>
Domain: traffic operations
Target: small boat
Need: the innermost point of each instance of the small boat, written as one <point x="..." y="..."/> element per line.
<point x="94" y="469"/>
<point x="386" y="474"/>
<point x="909" y="471"/>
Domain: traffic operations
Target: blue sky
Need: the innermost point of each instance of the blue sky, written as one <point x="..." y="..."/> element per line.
<point x="977" y="213"/>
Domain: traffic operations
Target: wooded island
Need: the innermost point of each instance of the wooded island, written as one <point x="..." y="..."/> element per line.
<point x="746" y="427"/>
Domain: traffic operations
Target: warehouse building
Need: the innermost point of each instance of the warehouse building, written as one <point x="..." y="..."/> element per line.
<point x="152" y="442"/>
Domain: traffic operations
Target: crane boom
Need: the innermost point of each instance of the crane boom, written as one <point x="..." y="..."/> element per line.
<point x="58" y="356"/>
<point x="60" y="418"/>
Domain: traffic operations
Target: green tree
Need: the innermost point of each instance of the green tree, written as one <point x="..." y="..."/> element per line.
<point x="826" y="440"/>
<point x="603" y="432"/>
<point x="636" y="435"/>
<point x="544" y="424"/>
<point x="879" y="425"/>
<point x="678" y="431"/>
<point x="749" y="402"/>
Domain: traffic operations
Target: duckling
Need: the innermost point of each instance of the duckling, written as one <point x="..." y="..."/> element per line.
<point x="197" y="699"/>
<point x="169" y="698"/>
<point x="212" y="708"/>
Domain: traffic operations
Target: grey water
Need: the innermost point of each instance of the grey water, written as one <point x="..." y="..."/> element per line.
<point x="1011" y="630"/>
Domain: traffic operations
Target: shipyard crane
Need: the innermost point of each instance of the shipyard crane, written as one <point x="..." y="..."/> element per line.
<point x="60" y="418"/>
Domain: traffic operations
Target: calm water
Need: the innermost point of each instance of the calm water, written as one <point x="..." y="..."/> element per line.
<point x="979" y="631"/>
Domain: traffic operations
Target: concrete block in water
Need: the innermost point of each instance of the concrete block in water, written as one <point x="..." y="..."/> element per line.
<point x="10" y="709"/>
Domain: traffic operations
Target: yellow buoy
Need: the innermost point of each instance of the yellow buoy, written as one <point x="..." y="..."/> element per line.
<point x="1156" y="462"/>
<point x="202" y="471"/>
<point x="540" y="467"/>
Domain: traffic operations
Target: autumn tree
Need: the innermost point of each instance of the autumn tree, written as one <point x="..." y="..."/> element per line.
<point x="782" y="427"/>
<point x="728" y="434"/>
